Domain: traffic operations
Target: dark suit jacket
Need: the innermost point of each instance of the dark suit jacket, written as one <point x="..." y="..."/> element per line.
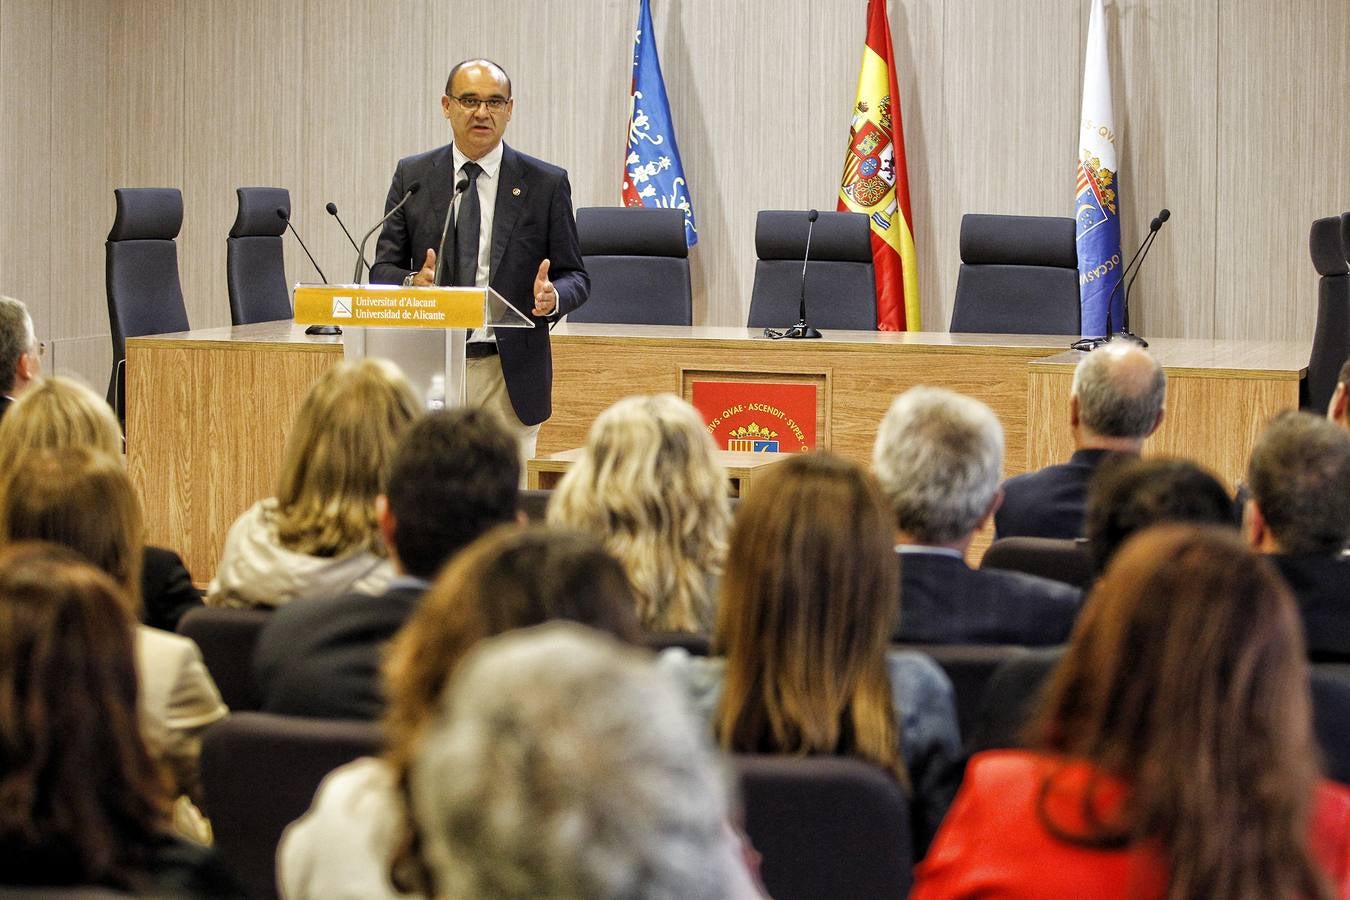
<point x="1050" y="502"/>
<point x="5" y="403"/>
<point x="1321" y="585"/>
<point x="944" y="601"/>
<point x="321" y="658"/>
<point x="166" y="589"/>
<point x="532" y="221"/>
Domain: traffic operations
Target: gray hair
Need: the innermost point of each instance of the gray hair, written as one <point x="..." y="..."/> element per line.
<point x="1299" y="475"/>
<point x="16" y="339"/>
<point x="1120" y="389"/>
<point x="938" y="458"/>
<point x="565" y="765"/>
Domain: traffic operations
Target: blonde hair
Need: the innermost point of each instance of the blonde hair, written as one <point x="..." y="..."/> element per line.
<point x="337" y="458"/>
<point x="57" y="412"/>
<point x="649" y="486"/>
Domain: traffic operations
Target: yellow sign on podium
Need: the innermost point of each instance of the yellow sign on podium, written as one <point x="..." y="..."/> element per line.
<point x="395" y="306"/>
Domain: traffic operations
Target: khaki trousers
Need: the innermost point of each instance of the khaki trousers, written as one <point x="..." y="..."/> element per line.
<point x="485" y="387"/>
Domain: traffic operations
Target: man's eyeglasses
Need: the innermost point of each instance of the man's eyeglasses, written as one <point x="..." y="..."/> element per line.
<point x="470" y="104"/>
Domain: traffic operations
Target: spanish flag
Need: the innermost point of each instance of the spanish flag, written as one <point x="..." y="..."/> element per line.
<point x="875" y="180"/>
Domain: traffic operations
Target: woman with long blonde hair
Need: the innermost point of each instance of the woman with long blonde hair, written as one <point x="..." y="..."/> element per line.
<point x="1174" y="754"/>
<point x="319" y="536"/>
<point x="803" y="627"/>
<point x="649" y="486"/>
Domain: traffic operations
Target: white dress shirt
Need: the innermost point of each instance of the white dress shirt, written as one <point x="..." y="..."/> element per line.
<point x="488" y="182"/>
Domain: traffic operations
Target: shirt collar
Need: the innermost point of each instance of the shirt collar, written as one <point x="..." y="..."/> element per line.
<point x="402" y="582"/>
<point x="490" y="163"/>
<point x="907" y="549"/>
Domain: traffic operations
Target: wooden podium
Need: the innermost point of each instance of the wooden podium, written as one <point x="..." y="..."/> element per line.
<point x="423" y="329"/>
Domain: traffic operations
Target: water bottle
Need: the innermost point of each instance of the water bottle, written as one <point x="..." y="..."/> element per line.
<point x="436" y="394"/>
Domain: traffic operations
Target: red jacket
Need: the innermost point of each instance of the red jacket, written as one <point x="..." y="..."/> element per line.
<point x="993" y="845"/>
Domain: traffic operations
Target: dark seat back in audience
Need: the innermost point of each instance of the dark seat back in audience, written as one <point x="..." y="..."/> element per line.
<point x="696" y="644"/>
<point x="827" y="827"/>
<point x="970" y="667"/>
<point x="1062" y="560"/>
<point x="1330" y="247"/>
<point x="1019" y="275"/>
<point x="534" y="504"/>
<point x="259" y="774"/>
<point x="227" y="638"/>
<point x="638" y="261"/>
<point x="1331" y="717"/>
<point x="144" y="293"/>
<point x="841" y="287"/>
<point x="255" y="267"/>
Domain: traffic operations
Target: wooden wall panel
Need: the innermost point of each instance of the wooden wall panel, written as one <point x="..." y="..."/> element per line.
<point x="1284" y="109"/>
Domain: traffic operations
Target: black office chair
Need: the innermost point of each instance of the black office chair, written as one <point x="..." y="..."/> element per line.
<point x="1019" y="275"/>
<point x="255" y="268"/>
<point x="841" y="290"/>
<point x="639" y="266"/>
<point x="144" y="293"/>
<point x="1329" y="243"/>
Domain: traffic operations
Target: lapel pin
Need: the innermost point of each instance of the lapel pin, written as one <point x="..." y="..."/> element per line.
<point x="515" y="192"/>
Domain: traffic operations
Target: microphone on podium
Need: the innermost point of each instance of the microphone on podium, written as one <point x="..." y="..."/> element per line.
<point x="801" y="330"/>
<point x="361" y="249"/>
<point x="285" y="216"/>
<point x="332" y="210"/>
<point x="460" y="187"/>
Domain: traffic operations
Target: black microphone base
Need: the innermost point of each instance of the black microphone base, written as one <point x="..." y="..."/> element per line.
<point x="1088" y="343"/>
<point x="1131" y="338"/>
<point x="323" y="329"/>
<point x="801" y="331"/>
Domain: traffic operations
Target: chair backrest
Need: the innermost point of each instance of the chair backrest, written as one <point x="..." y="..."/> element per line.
<point x="227" y="638"/>
<point x="638" y="262"/>
<point x="255" y="267"/>
<point x="141" y="271"/>
<point x="259" y="774"/>
<point x="841" y="290"/>
<point x="827" y="827"/>
<point x="1063" y="560"/>
<point x="1329" y="243"/>
<point x="1009" y="699"/>
<point x="695" y="644"/>
<point x="970" y="667"/>
<point x="1331" y="717"/>
<point x="534" y="503"/>
<point x="1019" y="275"/>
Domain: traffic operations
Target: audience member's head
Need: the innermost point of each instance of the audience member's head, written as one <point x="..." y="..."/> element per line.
<point x="1338" y="410"/>
<point x="1186" y="678"/>
<point x="1299" y="476"/>
<point x="337" y="458"/>
<point x="20" y="352"/>
<point x="454" y="476"/>
<point x="1129" y="494"/>
<point x="510" y="578"/>
<point x="81" y="499"/>
<point x="806" y="612"/>
<point x="1117" y="397"/>
<point x="82" y="798"/>
<point x="57" y="412"/>
<point x="938" y="458"/>
<point x="562" y="764"/>
<point x="649" y="486"/>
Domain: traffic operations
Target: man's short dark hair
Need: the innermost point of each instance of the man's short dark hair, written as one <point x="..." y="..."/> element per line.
<point x="477" y="60"/>
<point x="1299" y="474"/>
<point x="16" y="339"/>
<point x="1129" y="494"/>
<point x="1344" y="377"/>
<point x="455" y="475"/>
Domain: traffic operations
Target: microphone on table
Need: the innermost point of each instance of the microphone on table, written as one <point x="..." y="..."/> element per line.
<point x="331" y="208"/>
<point x="801" y="329"/>
<point x="361" y="249"/>
<point x="1139" y="253"/>
<point x="1153" y="228"/>
<point x="460" y="187"/>
<point x="284" y="215"/>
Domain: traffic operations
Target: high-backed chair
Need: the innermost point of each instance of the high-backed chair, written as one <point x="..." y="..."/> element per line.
<point x="841" y="289"/>
<point x="1329" y="243"/>
<point x="255" y="268"/>
<point x="1019" y="275"/>
<point x="144" y="293"/>
<point x="259" y="774"/>
<point x="227" y="638"/>
<point x="638" y="262"/>
<point x="1063" y="560"/>
<point x="827" y="827"/>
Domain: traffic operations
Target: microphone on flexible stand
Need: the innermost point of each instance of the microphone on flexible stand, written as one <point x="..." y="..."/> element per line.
<point x="460" y="188"/>
<point x="361" y="248"/>
<point x="313" y="329"/>
<point x="801" y="330"/>
<point x="1094" y="342"/>
<point x="333" y="211"/>
<point x="1154" y="227"/>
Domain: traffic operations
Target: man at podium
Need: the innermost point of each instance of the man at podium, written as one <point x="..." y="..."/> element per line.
<point x="513" y="230"/>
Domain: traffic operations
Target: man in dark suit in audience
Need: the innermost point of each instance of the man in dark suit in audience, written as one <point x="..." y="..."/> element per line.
<point x="1299" y="513"/>
<point x="938" y="456"/>
<point x="20" y="352"/>
<point x="1338" y="410"/>
<point x="453" y="478"/>
<point x="1115" y="404"/>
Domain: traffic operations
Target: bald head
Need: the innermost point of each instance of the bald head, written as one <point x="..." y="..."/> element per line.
<point x="1117" y="399"/>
